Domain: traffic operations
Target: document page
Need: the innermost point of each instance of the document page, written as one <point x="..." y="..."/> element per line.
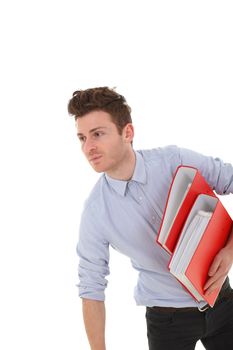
<point x="189" y="240"/>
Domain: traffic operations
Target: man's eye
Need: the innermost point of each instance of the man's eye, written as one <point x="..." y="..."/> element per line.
<point x="81" y="138"/>
<point x="97" y="134"/>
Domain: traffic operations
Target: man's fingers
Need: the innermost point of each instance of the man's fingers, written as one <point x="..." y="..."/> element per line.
<point x="214" y="284"/>
<point x="214" y="266"/>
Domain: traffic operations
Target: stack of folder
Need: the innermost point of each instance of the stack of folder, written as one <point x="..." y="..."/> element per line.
<point x="195" y="227"/>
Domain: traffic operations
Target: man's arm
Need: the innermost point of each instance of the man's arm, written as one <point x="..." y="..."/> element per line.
<point x="93" y="252"/>
<point x="94" y="320"/>
<point x="220" y="267"/>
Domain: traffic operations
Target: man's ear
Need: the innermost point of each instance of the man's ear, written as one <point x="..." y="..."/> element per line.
<point x="129" y="133"/>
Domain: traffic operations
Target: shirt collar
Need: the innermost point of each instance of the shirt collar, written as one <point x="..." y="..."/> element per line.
<point x="139" y="175"/>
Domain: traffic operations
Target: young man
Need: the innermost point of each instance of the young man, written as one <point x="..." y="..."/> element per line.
<point x="124" y="210"/>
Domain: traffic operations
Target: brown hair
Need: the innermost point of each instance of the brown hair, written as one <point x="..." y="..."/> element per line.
<point x="104" y="99"/>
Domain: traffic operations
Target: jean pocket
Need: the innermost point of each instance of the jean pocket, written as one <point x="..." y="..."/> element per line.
<point x="159" y="319"/>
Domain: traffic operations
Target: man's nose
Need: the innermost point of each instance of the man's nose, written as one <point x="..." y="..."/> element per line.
<point x="89" y="146"/>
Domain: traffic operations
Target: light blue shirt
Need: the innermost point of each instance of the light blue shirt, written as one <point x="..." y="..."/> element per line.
<point x="127" y="215"/>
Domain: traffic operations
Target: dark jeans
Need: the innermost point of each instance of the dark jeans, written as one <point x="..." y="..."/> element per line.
<point x="180" y="329"/>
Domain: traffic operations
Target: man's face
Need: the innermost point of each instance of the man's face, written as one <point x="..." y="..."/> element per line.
<point x="103" y="146"/>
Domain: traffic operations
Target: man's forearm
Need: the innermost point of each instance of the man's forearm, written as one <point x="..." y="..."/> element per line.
<point x="94" y="320"/>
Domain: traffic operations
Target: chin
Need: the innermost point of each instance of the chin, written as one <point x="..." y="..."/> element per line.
<point x="98" y="169"/>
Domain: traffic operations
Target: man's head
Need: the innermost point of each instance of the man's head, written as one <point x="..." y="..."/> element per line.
<point x="104" y="129"/>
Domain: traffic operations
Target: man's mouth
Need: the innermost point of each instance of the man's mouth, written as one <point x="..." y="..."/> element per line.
<point x="95" y="158"/>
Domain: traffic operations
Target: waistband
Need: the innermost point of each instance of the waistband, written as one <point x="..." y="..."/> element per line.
<point x="225" y="293"/>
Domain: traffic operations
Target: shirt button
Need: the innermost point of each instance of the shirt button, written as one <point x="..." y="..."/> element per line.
<point x="140" y="198"/>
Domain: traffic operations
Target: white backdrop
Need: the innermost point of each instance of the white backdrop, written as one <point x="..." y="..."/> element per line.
<point x="173" y="62"/>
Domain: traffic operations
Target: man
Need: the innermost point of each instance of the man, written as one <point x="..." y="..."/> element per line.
<point x="124" y="210"/>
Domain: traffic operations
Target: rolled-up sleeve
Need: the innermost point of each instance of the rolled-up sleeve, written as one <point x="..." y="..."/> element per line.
<point x="93" y="253"/>
<point x="216" y="172"/>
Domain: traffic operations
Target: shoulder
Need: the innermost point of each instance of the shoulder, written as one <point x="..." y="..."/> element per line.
<point x="94" y="213"/>
<point x="95" y="207"/>
<point x="160" y="154"/>
<point x="95" y="196"/>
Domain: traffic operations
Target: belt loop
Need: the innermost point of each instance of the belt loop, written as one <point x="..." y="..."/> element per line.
<point x="203" y="308"/>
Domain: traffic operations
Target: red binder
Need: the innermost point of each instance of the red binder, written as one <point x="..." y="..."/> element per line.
<point x="193" y="248"/>
<point x="184" y="176"/>
<point x="212" y="239"/>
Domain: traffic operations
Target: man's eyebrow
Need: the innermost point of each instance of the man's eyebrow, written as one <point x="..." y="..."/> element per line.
<point x="92" y="130"/>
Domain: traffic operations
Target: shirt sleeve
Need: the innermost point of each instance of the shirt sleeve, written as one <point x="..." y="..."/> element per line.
<point x="93" y="252"/>
<point x="217" y="173"/>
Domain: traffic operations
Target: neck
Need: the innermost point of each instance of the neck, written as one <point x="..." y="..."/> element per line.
<point x="125" y="170"/>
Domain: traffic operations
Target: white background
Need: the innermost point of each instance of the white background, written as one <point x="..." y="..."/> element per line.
<point x="172" y="60"/>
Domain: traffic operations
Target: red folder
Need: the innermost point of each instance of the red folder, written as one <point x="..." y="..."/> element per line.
<point x="193" y="248"/>
<point x="213" y="239"/>
<point x="189" y="175"/>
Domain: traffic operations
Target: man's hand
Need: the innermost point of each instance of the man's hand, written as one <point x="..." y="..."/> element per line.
<point x="219" y="270"/>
